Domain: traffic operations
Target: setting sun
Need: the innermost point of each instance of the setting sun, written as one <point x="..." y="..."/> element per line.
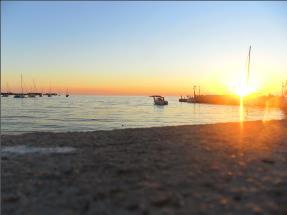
<point x="244" y="90"/>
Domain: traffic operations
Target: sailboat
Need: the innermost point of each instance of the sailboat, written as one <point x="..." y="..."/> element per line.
<point x="50" y="94"/>
<point x="34" y="90"/>
<point x="67" y="95"/>
<point x="20" y="95"/>
<point x="248" y="70"/>
<point x="7" y="92"/>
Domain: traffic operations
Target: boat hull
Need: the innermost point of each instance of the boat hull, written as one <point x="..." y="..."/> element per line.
<point x="182" y="100"/>
<point x="161" y="102"/>
<point x="19" y="96"/>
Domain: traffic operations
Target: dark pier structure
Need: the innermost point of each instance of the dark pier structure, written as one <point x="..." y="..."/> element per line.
<point x="251" y="100"/>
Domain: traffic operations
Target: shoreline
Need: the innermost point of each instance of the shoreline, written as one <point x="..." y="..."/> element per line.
<point x="132" y="128"/>
<point x="189" y="169"/>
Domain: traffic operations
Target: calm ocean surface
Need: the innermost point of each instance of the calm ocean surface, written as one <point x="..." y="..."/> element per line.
<point x="88" y="113"/>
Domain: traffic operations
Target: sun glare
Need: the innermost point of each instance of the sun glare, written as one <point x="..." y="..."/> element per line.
<point x="241" y="88"/>
<point x="244" y="90"/>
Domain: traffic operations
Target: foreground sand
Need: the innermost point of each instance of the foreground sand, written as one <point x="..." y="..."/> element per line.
<point x="207" y="169"/>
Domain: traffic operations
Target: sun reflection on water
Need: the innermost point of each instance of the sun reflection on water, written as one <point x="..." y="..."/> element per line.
<point x="241" y="111"/>
<point x="266" y="112"/>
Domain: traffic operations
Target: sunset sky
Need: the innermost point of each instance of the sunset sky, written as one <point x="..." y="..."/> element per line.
<point x="142" y="48"/>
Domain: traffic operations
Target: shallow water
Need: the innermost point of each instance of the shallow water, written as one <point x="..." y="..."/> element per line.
<point x="87" y="113"/>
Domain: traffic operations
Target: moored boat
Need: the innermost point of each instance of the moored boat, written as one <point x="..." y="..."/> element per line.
<point x="5" y="94"/>
<point x="67" y="94"/>
<point x="31" y="95"/>
<point x="190" y="99"/>
<point x="182" y="99"/>
<point x="159" y="100"/>
<point x="20" y="95"/>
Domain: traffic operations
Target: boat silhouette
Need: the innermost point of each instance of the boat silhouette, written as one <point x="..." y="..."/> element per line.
<point x="159" y="100"/>
<point x="20" y="95"/>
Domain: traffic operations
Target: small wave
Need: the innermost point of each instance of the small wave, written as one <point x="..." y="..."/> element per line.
<point x="19" y="116"/>
<point x="84" y="120"/>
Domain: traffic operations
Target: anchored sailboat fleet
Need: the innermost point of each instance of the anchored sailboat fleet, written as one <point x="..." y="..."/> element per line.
<point x="31" y="94"/>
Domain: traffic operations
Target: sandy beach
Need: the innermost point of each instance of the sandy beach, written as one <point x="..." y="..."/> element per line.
<point x="228" y="168"/>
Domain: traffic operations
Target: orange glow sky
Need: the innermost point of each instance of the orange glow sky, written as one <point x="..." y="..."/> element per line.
<point x="142" y="48"/>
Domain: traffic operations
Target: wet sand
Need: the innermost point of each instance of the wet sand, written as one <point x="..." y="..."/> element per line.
<point x="228" y="168"/>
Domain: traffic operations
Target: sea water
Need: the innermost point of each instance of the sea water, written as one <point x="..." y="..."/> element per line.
<point x="89" y="113"/>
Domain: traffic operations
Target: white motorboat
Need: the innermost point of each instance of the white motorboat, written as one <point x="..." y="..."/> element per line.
<point x="159" y="100"/>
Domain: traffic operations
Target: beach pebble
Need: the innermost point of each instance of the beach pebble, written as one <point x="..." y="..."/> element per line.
<point x="255" y="208"/>
<point x="161" y="200"/>
<point x="268" y="161"/>
<point x="132" y="207"/>
<point x="10" y="198"/>
<point x="223" y="201"/>
<point x="237" y="197"/>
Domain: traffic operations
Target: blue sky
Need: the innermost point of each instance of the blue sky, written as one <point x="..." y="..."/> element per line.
<point x="90" y="46"/>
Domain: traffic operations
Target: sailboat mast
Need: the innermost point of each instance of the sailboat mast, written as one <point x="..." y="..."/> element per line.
<point x="248" y="69"/>
<point x="35" y="89"/>
<point x="21" y="84"/>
